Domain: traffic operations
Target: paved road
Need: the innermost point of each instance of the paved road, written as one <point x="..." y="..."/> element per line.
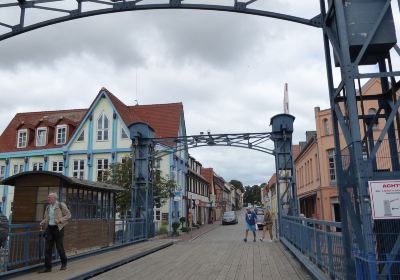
<point x="219" y="254"/>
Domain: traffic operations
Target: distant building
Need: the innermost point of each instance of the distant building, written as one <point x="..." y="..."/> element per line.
<point x="198" y="192"/>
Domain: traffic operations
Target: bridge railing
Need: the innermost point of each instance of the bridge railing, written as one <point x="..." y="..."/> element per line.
<point x="317" y="244"/>
<point x="24" y="244"/>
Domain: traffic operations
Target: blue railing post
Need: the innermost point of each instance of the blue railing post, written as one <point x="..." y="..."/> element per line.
<point x="26" y="236"/>
<point x="330" y="251"/>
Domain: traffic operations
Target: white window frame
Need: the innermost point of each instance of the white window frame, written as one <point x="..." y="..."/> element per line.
<point x="77" y="139"/>
<point x="78" y="173"/>
<point x="59" y="127"/>
<point x="102" y="169"/>
<point x="26" y="138"/>
<point x="37" y="166"/>
<point x="57" y="166"/>
<point x="18" y="168"/>
<point x="102" y="130"/>
<point x="331" y="170"/>
<point x="45" y="136"/>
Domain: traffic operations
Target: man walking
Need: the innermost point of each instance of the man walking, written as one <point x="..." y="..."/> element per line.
<point x="56" y="217"/>
<point x="251" y="219"/>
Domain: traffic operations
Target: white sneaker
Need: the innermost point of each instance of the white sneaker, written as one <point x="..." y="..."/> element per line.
<point x="271" y="240"/>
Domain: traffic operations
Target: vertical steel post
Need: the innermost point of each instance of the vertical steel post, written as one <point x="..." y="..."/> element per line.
<point x="282" y="130"/>
<point x="142" y="182"/>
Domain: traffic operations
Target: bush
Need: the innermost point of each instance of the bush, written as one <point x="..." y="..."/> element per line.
<point x="182" y="220"/>
<point x="163" y="230"/>
<point x="175" y="226"/>
<point x="185" y="229"/>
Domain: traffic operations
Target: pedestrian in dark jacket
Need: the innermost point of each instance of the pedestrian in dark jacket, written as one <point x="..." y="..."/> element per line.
<point x="251" y="220"/>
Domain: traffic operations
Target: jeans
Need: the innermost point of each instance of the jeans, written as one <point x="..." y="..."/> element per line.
<point x="53" y="235"/>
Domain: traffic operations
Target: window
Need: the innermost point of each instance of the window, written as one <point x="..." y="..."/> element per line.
<point x="61" y="135"/>
<point x="22" y="138"/>
<point x="102" y="168"/>
<point x="2" y="171"/>
<point x="102" y="128"/>
<point x="81" y="137"/>
<point x="41" y="136"/>
<point x="124" y="135"/>
<point x="18" y="168"/>
<point x="79" y="169"/>
<point x="157" y="215"/>
<point x="326" y="127"/>
<point x="164" y="216"/>
<point x="372" y="113"/>
<point x="37" y="166"/>
<point x="331" y="166"/>
<point x="58" y="166"/>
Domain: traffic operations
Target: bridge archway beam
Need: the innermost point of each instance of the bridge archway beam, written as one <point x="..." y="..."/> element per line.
<point x="62" y="14"/>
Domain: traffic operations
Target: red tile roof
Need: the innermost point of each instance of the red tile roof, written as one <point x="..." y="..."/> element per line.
<point x="163" y="118"/>
<point x="29" y="120"/>
<point x="207" y="173"/>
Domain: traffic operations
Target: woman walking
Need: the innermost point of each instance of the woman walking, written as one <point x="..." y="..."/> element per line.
<point x="268" y="222"/>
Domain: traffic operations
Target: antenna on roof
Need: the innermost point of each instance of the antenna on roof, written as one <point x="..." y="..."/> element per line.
<point x="286" y="100"/>
<point x="137" y="98"/>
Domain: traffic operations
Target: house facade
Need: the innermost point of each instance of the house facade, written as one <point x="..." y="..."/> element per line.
<point x="198" y="192"/>
<point x="315" y="166"/>
<point x="84" y="143"/>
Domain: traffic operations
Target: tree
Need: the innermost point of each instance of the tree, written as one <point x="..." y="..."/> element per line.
<point x="252" y="194"/>
<point x="121" y="174"/>
<point x="238" y="185"/>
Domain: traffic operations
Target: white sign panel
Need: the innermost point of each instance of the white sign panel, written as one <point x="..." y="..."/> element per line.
<point x="385" y="199"/>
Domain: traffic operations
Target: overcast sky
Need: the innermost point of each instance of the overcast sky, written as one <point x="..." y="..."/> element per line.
<point x="228" y="70"/>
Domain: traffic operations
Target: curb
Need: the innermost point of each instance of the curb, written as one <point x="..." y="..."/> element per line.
<point x="119" y="263"/>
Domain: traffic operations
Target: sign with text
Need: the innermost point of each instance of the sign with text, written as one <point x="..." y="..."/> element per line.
<point x="385" y="199"/>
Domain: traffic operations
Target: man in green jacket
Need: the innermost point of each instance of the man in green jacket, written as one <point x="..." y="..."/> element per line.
<point x="55" y="219"/>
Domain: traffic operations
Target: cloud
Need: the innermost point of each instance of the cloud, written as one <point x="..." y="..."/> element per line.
<point x="228" y="69"/>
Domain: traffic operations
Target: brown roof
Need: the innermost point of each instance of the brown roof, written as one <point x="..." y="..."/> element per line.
<point x="163" y="118"/>
<point x="272" y="180"/>
<point x="29" y="120"/>
<point x="208" y="174"/>
<point x="295" y="151"/>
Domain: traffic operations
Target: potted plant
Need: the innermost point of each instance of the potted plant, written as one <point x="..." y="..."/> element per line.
<point x="175" y="226"/>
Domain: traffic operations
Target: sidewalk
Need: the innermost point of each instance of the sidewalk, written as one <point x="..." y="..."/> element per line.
<point x="95" y="264"/>
<point x="195" y="233"/>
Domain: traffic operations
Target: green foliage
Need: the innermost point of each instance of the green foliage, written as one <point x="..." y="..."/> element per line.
<point x="238" y="185"/>
<point x="121" y="174"/>
<point x="163" y="230"/>
<point x="182" y="220"/>
<point x="175" y="226"/>
<point x="163" y="188"/>
<point x="252" y="194"/>
<point x="185" y="229"/>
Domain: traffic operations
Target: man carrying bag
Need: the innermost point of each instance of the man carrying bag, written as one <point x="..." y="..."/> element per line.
<point x="56" y="217"/>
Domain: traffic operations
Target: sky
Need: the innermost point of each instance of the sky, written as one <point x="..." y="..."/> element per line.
<point x="228" y="69"/>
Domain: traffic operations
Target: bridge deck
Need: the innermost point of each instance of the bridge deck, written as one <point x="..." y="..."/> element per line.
<point x="218" y="254"/>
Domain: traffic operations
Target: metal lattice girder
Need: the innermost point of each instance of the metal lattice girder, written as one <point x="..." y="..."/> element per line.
<point x="254" y="141"/>
<point x="356" y="156"/>
<point x="65" y="10"/>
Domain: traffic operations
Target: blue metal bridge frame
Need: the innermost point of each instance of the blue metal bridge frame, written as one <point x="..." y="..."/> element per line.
<point x="346" y="98"/>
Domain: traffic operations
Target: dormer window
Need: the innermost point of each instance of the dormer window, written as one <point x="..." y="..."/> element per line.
<point x="102" y="128"/>
<point x="61" y="134"/>
<point x="22" y="138"/>
<point x="41" y="136"/>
